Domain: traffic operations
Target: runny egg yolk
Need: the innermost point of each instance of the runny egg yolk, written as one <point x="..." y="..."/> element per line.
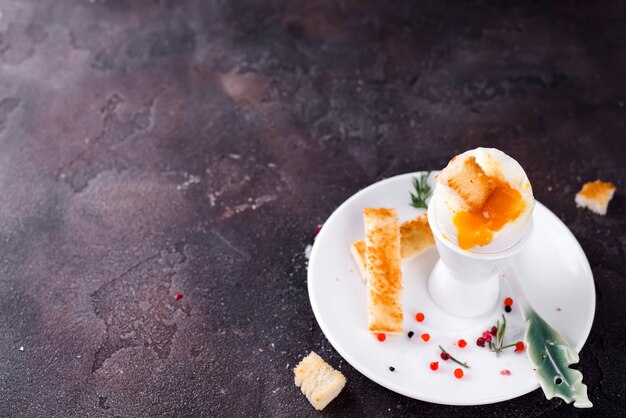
<point x="476" y="228"/>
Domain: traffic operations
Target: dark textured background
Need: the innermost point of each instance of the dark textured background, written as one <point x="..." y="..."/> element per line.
<point x="153" y="148"/>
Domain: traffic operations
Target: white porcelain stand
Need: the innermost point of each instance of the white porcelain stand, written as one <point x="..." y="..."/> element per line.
<point x="465" y="283"/>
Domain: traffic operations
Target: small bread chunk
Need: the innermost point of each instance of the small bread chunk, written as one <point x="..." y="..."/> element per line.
<point x="468" y="180"/>
<point x="595" y="196"/>
<point x="382" y="270"/>
<point x="319" y="382"/>
<point x="415" y="238"/>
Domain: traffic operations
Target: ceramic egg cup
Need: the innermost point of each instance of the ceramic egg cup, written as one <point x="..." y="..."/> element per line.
<point x="466" y="283"/>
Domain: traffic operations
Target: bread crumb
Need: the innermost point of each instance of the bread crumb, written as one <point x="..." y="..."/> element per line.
<point x="595" y="196"/>
<point x="319" y="382"/>
<point x="307" y="251"/>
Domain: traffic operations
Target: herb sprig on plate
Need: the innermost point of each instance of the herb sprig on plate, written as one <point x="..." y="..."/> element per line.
<point x="422" y="191"/>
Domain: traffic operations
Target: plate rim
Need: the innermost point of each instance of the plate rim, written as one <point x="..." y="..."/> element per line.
<point x="399" y="389"/>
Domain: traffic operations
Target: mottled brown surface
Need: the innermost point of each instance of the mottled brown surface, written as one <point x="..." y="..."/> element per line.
<point x="155" y="148"/>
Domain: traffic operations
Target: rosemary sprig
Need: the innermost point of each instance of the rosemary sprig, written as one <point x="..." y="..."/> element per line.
<point x="501" y="329"/>
<point x="422" y="191"/>
<point x="498" y="346"/>
<point x="453" y="359"/>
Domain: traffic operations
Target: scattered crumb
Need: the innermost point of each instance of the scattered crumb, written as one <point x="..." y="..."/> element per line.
<point x="307" y="251"/>
<point x="235" y="156"/>
<point x="595" y="196"/>
<point x="558" y="309"/>
<point x="22" y="348"/>
<point x="191" y="179"/>
<point x="255" y="204"/>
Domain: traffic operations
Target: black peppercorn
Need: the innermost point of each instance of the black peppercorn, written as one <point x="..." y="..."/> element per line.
<point x="391" y="368"/>
<point x="411" y="334"/>
<point x="507" y="308"/>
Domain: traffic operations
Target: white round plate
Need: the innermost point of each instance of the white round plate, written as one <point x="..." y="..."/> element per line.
<point x="553" y="269"/>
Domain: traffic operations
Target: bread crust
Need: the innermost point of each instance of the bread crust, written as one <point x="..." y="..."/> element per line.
<point x="382" y="270"/>
<point x="468" y="180"/>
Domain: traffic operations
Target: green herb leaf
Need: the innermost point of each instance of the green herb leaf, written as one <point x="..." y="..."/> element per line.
<point x="422" y="191"/>
<point x="500" y="332"/>
<point x="551" y="355"/>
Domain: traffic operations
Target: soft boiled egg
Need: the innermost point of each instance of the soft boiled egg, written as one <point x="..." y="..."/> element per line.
<point x="500" y="222"/>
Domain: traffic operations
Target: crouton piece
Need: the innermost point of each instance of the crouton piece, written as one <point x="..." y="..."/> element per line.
<point x="595" y="196"/>
<point x="318" y="381"/>
<point x="468" y="180"/>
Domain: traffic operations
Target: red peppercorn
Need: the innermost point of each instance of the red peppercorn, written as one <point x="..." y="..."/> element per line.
<point x="505" y="372"/>
<point x="480" y="342"/>
<point x="508" y="302"/>
<point x="178" y="296"/>
<point x="519" y="346"/>
<point x="458" y="373"/>
<point x="381" y="337"/>
<point x="493" y="330"/>
<point x="434" y="365"/>
<point x="444" y="356"/>
<point x="462" y="343"/>
<point x="425" y="337"/>
<point x="487" y="336"/>
<point x="419" y="317"/>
